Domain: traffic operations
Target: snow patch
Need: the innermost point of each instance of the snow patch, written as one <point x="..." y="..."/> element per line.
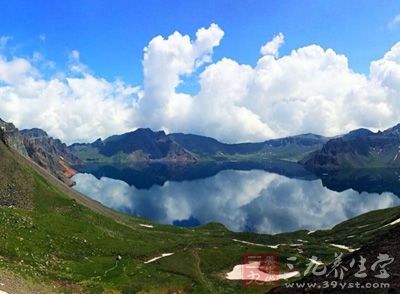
<point x="344" y="247"/>
<point x="157" y="258"/>
<point x="257" y="244"/>
<point x="274" y="246"/>
<point x="395" y="222"/>
<point x="146" y="226"/>
<point x="238" y="272"/>
<point x="363" y="226"/>
<point x="392" y="223"/>
<point x="323" y="229"/>
<point x="264" y="245"/>
<point x="249" y="243"/>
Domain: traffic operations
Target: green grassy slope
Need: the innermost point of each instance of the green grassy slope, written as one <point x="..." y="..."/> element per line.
<point x="56" y="236"/>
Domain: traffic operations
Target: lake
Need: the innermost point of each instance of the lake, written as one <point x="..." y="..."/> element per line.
<point x="267" y="197"/>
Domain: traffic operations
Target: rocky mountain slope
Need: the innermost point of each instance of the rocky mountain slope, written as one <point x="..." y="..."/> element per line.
<point x="289" y="146"/>
<point x="49" y="153"/>
<point x="10" y="135"/>
<point x="358" y="149"/>
<point x="140" y="145"/>
<point x="146" y="145"/>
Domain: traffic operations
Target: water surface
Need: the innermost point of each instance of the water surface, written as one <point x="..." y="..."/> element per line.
<point x="271" y="197"/>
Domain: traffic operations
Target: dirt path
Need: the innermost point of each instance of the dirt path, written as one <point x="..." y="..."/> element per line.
<point x="200" y="273"/>
<point x="10" y="283"/>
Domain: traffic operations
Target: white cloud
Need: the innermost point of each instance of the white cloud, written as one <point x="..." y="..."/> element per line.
<point x="75" y="64"/>
<point x="272" y="47"/>
<point x="309" y="90"/>
<point x="72" y="108"/>
<point x="165" y="61"/>
<point x="394" y="22"/>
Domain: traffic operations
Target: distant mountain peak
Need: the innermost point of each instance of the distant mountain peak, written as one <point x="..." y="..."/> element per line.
<point x="34" y="133"/>
<point x="395" y="130"/>
<point x="147" y="131"/>
<point x="358" y="133"/>
<point x="360" y="148"/>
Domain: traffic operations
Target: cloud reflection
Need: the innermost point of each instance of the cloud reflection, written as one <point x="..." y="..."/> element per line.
<point x="242" y="200"/>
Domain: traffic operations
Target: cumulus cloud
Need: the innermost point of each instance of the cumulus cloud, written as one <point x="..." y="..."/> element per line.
<point x="272" y="47"/>
<point x="165" y="62"/>
<point x="312" y="89"/>
<point x="71" y="108"/>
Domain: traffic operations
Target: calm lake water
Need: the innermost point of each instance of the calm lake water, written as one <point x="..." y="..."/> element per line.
<point x="269" y="197"/>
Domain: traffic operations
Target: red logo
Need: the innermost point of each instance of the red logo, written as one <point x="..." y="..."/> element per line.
<point x="260" y="269"/>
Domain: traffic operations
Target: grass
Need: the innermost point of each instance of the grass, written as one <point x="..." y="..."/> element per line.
<point x="55" y="237"/>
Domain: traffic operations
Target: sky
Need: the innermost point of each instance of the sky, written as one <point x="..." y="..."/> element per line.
<point x="234" y="70"/>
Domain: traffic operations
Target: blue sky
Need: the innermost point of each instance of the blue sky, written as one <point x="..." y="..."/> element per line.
<point x="111" y="35"/>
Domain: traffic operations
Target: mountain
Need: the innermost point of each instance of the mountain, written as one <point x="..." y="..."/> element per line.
<point x="289" y="148"/>
<point x="140" y="145"/>
<point x="360" y="148"/>
<point x="10" y="135"/>
<point x="209" y="145"/>
<point x="146" y="145"/>
<point x="49" y="153"/>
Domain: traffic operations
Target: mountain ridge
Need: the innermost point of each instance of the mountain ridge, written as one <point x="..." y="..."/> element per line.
<point x="360" y="148"/>
<point x="144" y="144"/>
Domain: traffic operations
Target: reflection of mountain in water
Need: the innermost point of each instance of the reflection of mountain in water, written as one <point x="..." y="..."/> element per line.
<point x="363" y="180"/>
<point x="241" y="200"/>
<point x="144" y="176"/>
<point x="269" y="196"/>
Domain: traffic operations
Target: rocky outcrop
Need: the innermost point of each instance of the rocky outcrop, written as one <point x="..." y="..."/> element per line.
<point x="51" y="154"/>
<point x="358" y="149"/>
<point x="10" y="135"/>
<point x="142" y="145"/>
